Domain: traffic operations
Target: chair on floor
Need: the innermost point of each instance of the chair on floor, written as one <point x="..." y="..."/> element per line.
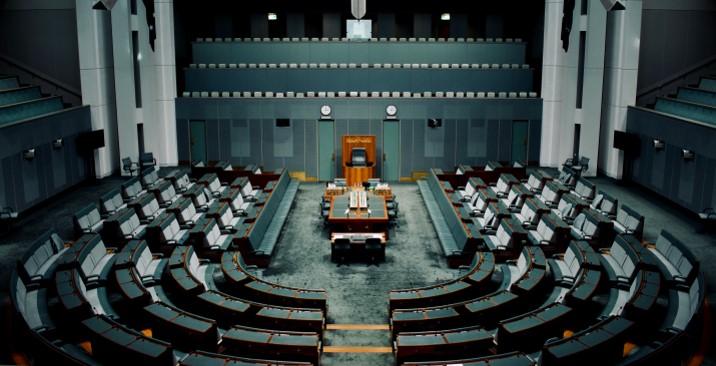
<point x="340" y="249"/>
<point x="375" y="250"/>
<point x="393" y="211"/>
<point x="146" y="160"/>
<point x="129" y="166"/>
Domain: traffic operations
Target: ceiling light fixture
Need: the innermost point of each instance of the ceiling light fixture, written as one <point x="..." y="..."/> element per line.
<point x="613" y="5"/>
<point x="104" y="5"/>
<point x="445" y="16"/>
<point x="272" y="16"/>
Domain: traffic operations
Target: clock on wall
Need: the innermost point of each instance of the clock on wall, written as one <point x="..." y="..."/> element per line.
<point x="326" y="110"/>
<point x="391" y="110"/>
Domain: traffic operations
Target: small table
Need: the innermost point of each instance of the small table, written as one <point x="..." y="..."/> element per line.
<point x="359" y="239"/>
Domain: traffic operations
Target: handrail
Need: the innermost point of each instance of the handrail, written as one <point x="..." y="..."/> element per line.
<point x="37" y="74"/>
<point x="661" y="84"/>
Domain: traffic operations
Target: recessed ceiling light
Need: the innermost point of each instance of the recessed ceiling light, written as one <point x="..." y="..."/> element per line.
<point x="445" y="16"/>
<point x="272" y="16"/>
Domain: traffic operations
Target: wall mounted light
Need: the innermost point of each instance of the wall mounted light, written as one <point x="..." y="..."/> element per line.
<point x="687" y="154"/>
<point x="445" y="16"/>
<point x="57" y="144"/>
<point x="8" y="213"/>
<point x="272" y="16"/>
<point x="658" y="144"/>
<point x="28" y="154"/>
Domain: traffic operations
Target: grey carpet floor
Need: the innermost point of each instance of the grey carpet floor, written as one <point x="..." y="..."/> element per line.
<point x="358" y="292"/>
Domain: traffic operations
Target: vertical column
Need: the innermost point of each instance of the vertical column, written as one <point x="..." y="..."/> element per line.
<point x="560" y="79"/>
<point x="590" y="113"/>
<point x="552" y="66"/>
<point x="124" y="81"/>
<point x="97" y="80"/>
<point x="165" y="143"/>
<point x="622" y="68"/>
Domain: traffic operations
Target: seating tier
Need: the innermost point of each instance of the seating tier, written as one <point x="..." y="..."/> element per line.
<point x="358" y="52"/>
<point x="336" y="80"/>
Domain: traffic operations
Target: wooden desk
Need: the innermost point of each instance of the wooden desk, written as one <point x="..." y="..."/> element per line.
<point x="358" y="220"/>
<point x="356" y="175"/>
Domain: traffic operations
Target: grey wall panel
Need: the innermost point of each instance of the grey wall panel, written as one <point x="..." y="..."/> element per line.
<point x="341" y="129"/>
<point x="407" y="146"/>
<point x="713" y="184"/>
<point x="422" y="25"/>
<point x="311" y="148"/>
<point x="30" y="182"/>
<point x="672" y="41"/>
<point x="257" y="155"/>
<point x="332" y="25"/>
<point x="182" y="139"/>
<point x="295" y="25"/>
<point x="376" y="128"/>
<point x="54" y="53"/>
<point x="259" y="25"/>
<point x="687" y="183"/>
<point x="357" y="116"/>
<point x="385" y="24"/>
<point x="213" y="134"/>
<point x="58" y="159"/>
<point x="3" y="186"/>
<point x="493" y="136"/>
<point x="535" y="138"/>
<point x="505" y="140"/>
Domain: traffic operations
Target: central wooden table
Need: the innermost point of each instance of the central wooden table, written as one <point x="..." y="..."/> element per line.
<point x="374" y="219"/>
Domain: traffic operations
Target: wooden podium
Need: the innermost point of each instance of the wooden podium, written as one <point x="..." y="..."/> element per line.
<point x="355" y="175"/>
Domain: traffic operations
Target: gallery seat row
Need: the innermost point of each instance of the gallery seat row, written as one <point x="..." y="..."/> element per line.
<point x="336" y="39"/>
<point x="360" y="94"/>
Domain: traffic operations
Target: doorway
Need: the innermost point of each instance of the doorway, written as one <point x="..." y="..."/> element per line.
<point x="520" y="134"/>
<point x="391" y="151"/>
<point x="197" y="140"/>
<point x="326" y="151"/>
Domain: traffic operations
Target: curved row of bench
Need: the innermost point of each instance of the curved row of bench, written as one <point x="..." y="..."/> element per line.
<point x="581" y="286"/>
<point x="176" y="300"/>
<point x="157" y="298"/>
